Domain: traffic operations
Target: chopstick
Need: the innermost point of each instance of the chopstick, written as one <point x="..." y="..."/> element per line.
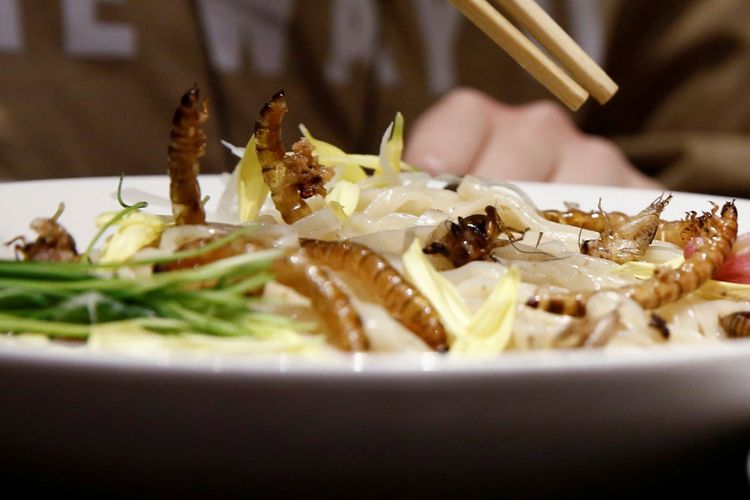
<point x="523" y="51"/>
<point x="573" y="94"/>
<point x="552" y="37"/>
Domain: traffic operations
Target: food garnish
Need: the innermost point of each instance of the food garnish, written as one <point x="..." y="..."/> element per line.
<point x="322" y="251"/>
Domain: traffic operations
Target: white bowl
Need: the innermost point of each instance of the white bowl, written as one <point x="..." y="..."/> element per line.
<point x="521" y="425"/>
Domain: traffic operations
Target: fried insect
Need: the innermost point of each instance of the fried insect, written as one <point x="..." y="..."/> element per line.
<point x="328" y="300"/>
<point x="736" y="325"/>
<point x="471" y="238"/>
<point x="717" y="235"/>
<point x="569" y="304"/>
<point x="386" y="285"/>
<point x="680" y="232"/>
<point x="629" y="240"/>
<point x="677" y="232"/>
<point x="53" y="242"/>
<point x="291" y="177"/>
<point x="187" y="145"/>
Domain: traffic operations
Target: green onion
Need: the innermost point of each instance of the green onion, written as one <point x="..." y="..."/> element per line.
<point x="63" y="299"/>
<point x="50" y="270"/>
<point x="187" y="254"/>
<point x="111" y="222"/>
<point x="9" y="323"/>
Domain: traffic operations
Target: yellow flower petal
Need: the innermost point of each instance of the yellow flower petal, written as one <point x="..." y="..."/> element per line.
<point x="135" y="231"/>
<point x="714" y="290"/>
<point x="395" y="147"/>
<point x="346" y="195"/>
<point x="322" y="148"/>
<point x="331" y="156"/>
<point x="444" y="297"/>
<point x="490" y="328"/>
<point x="645" y="270"/>
<point x="251" y="188"/>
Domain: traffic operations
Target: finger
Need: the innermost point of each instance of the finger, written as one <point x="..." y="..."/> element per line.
<point x="527" y="143"/>
<point x="449" y="136"/>
<point x="593" y="160"/>
<point x="509" y="156"/>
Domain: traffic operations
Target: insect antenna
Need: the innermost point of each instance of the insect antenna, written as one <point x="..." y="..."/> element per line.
<point x="60" y="210"/>
<point x="532" y="252"/>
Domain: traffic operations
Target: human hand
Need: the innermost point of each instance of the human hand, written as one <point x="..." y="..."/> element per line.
<point x="467" y="132"/>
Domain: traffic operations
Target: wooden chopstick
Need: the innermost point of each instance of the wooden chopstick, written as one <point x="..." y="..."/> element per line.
<point x="530" y="57"/>
<point x="523" y="51"/>
<point x="541" y="26"/>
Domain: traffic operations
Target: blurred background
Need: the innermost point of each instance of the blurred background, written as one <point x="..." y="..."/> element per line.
<point x="88" y="87"/>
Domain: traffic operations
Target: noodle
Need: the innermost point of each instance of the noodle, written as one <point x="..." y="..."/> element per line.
<point x="387" y="218"/>
<point x="393" y="210"/>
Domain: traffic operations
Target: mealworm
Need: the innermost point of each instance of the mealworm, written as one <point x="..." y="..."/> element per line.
<point x="187" y="145"/>
<point x="736" y="325"/>
<point x="384" y="283"/>
<point x="290" y="177"/>
<point x="329" y="302"/>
